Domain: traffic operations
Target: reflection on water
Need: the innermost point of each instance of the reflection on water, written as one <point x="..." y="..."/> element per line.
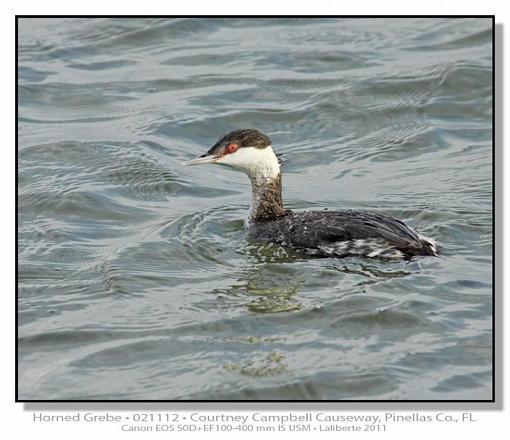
<point x="137" y="279"/>
<point x="267" y="290"/>
<point x="270" y="365"/>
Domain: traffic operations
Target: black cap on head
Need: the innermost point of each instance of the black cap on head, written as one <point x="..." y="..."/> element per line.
<point x="245" y="137"/>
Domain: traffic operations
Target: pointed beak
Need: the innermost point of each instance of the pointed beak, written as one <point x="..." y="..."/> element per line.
<point x="200" y="160"/>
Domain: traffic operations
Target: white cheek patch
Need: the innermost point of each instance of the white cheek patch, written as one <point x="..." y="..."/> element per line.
<point x="256" y="162"/>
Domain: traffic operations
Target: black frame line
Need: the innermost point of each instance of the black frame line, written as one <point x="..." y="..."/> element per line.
<point x="186" y="403"/>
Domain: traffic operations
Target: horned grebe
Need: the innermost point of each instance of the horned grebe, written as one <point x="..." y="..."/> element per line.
<point x="321" y="233"/>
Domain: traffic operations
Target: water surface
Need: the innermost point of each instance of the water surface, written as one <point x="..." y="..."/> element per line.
<point x="136" y="277"/>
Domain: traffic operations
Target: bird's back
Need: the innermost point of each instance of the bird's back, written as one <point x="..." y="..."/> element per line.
<point x="343" y="233"/>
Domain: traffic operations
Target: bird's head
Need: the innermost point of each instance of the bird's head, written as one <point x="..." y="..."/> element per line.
<point x="246" y="150"/>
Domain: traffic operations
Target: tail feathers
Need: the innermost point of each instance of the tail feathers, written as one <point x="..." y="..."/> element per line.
<point x="377" y="248"/>
<point x="429" y="245"/>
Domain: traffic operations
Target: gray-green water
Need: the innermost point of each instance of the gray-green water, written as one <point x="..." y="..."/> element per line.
<point x="136" y="278"/>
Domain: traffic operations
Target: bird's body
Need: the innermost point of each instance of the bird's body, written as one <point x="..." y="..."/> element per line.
<point x="321" y="233"/>
<point x="344" y="233"/>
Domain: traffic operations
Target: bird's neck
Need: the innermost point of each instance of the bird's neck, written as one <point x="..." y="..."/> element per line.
<point x="266" y="202"/>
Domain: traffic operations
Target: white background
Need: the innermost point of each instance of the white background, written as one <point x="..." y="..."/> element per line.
<point x="15" y="418"/>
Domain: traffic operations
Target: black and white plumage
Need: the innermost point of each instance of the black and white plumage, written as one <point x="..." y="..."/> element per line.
<point x="344" y="233"/>
<point x="321" y="233"/>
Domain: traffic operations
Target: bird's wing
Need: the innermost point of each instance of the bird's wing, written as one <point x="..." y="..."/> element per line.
<point x="340" y="226"/>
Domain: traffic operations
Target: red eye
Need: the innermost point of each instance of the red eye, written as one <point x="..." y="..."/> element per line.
<point x="231" y="148"/>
